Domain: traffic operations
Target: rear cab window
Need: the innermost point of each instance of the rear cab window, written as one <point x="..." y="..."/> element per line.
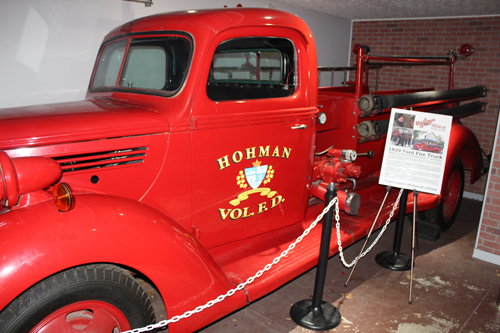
<point x="252" y="68"/>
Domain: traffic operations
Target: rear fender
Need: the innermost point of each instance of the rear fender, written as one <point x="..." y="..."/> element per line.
<point x="463" y="143"/>
<point x="39" y="241"/>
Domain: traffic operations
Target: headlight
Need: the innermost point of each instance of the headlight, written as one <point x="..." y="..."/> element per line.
<point x="23" y="175"/>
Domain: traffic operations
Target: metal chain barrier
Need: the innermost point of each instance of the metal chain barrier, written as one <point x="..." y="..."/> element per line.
<point x="241" y="286"/>
<point x="276" y="260"/>
<point x="337" y="225"/>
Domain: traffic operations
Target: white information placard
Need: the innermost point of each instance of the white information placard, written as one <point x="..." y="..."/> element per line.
<point x="415" y="150"/>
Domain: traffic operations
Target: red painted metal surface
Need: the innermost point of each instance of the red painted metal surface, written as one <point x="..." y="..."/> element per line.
<point x="40" y="241"/>
<point x="90" y="316"/>
<point x="161" y="182"/>
<point x="76" y="121"/>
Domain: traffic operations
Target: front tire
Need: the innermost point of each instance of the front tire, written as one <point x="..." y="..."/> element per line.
<point x="446" y="212"/>
<point x="92" y="298"/>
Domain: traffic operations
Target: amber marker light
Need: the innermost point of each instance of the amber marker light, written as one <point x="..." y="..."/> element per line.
<point x="63" y="197"/>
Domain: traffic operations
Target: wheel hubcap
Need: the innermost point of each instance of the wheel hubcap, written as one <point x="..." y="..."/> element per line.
<point x="87" y="316"/>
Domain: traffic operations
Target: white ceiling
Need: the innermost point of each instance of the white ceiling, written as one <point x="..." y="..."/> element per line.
<point x="386" y="9"/>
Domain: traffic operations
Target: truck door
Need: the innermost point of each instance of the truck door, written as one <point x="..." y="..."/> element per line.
<point x="253" y="135"/>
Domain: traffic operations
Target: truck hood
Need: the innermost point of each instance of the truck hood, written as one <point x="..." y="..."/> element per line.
<point x="76" y="121"/>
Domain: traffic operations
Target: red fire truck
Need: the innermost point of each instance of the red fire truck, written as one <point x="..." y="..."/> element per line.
<point x="201" y="151"/>
<point x="427" y="147"/>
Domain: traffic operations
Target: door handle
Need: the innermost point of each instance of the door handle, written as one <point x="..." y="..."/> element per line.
<point x="299" y="127"/>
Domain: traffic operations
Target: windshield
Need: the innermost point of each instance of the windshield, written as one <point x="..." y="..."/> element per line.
<point x="156" y="64"/>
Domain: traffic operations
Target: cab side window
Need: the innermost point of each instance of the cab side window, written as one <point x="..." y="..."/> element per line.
<point x="252" y="68"/>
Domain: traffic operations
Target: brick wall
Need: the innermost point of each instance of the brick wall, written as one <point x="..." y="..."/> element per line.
<point x="436" y="37"/>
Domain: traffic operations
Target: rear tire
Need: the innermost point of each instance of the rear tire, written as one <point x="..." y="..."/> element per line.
<point x="93" y="298"/>
<point x="446" y="212"/>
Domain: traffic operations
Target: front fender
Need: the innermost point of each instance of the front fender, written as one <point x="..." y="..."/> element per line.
<point x="463" y="143"/>
<point x="38" y="241"/>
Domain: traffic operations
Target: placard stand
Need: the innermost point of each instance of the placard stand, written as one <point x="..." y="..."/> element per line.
<point x="395" y="260"/>
<point x="317" y="314"/>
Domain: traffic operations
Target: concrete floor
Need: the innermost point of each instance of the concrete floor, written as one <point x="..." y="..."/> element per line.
<point x="452" y="292"/>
